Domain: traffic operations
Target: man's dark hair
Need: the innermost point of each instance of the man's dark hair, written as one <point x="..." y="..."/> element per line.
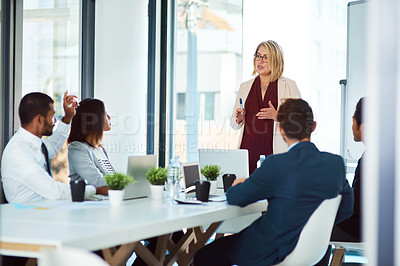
<point x="358" y="112"/>
<point x="33" y="104"/>
<point x="88" y="123"/>
<point x="296" y="118"/>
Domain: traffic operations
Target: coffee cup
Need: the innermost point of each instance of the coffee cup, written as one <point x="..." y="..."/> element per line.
<point x="228" y="180"/>
<point x="202" y="190"/>
<point x="77" y="185"/>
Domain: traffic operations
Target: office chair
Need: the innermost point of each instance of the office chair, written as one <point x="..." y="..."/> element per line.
<point x="314" y="238"/>
<point x="2" y="196"/>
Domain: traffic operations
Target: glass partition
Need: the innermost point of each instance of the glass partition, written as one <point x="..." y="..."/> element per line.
<point x="50" y="56"/>
<point x="2" y="92"/>
<point x="312" y="35"/>
<point x="207" y="74"/>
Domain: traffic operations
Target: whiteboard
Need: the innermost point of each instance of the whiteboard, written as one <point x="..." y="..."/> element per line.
<point x="355" y="75"/>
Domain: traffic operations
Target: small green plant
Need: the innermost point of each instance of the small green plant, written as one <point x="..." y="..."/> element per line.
<point x="118" y="181"/>
<point x="157" y="176"/>
<point x="211" y="171"/>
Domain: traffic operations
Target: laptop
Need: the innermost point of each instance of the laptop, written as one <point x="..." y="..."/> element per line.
<point x="231" y="161"/>
<point x="191" y="174"/>
<point x="138" y="167"/>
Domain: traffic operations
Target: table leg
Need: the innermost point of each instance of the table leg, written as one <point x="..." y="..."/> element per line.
<point x="202" y="238"/>
<point x="118" y="257"/>
<point x="161" y="248"/>
<point x="31" y="262"/>
<point x="146" y="255"/>
<point x="179" y="248"/>
<point x="170" y="244"/>
<point x="219" y="235"/>
<point x="337" y="257"/>
<point x="193" y="240"/>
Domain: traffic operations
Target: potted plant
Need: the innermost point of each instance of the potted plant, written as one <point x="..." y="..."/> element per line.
<point x="116" y="183"/>
<point x="211" y="173"/>
<point x="157" y="178"/>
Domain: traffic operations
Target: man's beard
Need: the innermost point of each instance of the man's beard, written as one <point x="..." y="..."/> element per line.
<point x="48" y="131"/>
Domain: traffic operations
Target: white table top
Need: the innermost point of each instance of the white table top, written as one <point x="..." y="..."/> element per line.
<point x="96" y="225"/>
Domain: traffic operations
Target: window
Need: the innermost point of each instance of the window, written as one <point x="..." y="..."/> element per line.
<point x="50" y="61"/>
<point x="50" y="57"/>
<point x="208" y="61"/>
<point x="317" y="8"/>
<point x="207" y="100"/>
<point x="314" y="48"/>
<point x="180" y="106"/>
<point x="207" y="106"/>
<point x="315" y="54"/>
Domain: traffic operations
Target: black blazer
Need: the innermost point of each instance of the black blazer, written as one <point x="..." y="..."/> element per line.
<point x="353" y="225"/>
<point x="294" y="183"/>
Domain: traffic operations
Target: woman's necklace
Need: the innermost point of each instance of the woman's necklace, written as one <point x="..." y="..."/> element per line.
<point x="91" y="144"/>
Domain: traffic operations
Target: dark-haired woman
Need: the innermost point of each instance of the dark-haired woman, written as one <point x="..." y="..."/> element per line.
<point x="86" y="156"/>
<point x="261" y="97"/>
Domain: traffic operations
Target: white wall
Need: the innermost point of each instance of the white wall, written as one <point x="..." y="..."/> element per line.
<point x="121" y="75"/>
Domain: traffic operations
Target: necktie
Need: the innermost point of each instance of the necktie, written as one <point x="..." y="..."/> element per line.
<point x="46" y="157"/>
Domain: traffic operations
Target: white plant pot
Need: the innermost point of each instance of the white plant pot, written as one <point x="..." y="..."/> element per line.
<point x="157" y="192"/>
<point x="213" y="187"/>
<point x="116" y="197"/>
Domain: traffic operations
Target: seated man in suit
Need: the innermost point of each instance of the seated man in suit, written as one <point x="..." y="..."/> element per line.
<point x="25" y="165"/>
<point x="294" y="183"/>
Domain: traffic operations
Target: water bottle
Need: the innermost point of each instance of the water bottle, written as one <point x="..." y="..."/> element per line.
<point x="180" y="176"/>
<point x="172" y="180"/>
<point x="259" y="162"/>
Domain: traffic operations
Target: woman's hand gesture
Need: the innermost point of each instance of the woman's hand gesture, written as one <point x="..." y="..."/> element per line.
<point x="268" y="113"/>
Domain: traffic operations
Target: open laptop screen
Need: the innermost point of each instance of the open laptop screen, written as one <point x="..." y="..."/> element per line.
<point x="191" y="174"/>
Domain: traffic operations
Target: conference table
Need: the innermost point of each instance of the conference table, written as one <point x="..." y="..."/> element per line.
<point x="26" y="229"/>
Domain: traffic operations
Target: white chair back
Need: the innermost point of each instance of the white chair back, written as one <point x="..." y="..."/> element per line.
<point x="314" y="238"/>
<point x="67" y="256"/>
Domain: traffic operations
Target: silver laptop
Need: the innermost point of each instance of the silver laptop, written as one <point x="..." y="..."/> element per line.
<point x="191" y="174"/>
<point x="138" y="167"/>
<point x="231" y="161"/>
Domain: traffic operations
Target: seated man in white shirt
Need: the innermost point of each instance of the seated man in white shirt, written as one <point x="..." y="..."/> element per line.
<point x="25" y="166"/>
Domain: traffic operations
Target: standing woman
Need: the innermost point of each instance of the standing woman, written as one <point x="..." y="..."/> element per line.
<point x="86" y="156"/>
<point x="261" y="97"/>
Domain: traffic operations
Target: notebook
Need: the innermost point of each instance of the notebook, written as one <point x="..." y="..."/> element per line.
<point x="138" y="167"/>
<point x="231" y="161"/>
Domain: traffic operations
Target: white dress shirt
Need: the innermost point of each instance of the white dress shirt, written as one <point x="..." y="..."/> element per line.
<point x="23" y="167"/>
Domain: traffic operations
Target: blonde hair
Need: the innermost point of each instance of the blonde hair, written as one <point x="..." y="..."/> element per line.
<point x="275" y="59"/>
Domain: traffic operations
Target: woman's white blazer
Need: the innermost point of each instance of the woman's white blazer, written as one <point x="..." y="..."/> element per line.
<point x="287" y="88"/>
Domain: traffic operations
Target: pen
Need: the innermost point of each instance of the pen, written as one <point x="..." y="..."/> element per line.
<point x="241" y="104"/>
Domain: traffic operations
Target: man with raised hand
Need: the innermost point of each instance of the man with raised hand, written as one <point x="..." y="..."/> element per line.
<point x="25" y="165"/>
